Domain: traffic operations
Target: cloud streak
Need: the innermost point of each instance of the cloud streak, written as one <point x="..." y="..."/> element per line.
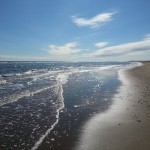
<point x="147" y="37"/>
<point x="101" y="44"/>
<point x="94" y="22"/>
<point x="128" y="48"/>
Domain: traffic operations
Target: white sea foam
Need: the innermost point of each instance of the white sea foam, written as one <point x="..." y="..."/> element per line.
<point x="15" y="97"/>
<point x="99" y="72"/>
<point x="3" y="81"/>
<point x="61" y="79"/>
<point x="131" y="65"/>
<point x="42" y="75"/>
<point x="31" y="71"/>
<point x="75" y="106"/>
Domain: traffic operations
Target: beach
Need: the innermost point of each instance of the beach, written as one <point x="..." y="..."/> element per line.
<point x="125" y="126"/>
<point x="80" y="106"/>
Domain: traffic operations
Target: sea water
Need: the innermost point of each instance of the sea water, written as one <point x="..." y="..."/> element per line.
<point x="37" y="97"/>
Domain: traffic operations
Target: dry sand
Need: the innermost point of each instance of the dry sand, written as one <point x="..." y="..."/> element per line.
<point x="126" y="125"/>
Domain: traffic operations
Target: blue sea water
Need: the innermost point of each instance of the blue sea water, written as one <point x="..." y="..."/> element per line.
<point x="36" y="97"/>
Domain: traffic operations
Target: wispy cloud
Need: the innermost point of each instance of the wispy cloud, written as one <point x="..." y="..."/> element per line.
<point x="67" y="49"/>
<point x="67" y="52"/>
<point x="93" y="22"/>
<point x="147" y="37"/>
<point x="128" y="48"/>
<point x="101" y="44"/>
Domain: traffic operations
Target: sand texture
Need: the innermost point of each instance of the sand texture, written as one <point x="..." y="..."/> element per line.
<point x="126" y="125"/>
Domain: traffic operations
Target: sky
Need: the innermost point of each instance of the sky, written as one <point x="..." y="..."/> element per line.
<point x="80" y="30"/>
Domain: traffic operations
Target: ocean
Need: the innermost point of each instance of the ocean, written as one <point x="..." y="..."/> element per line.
<point x="43" y="105"/>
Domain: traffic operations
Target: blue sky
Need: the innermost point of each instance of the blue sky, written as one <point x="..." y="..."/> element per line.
<point x="81" y="30"/>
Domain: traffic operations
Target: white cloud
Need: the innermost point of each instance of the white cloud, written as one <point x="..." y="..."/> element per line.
<point x="147" y="37"/>
<point x="67" y="49"/>
<point x="93" y="22"/>
<point x="128" y="48"/>
<point x="101" y="44"/>
<point x="71" y="52"/>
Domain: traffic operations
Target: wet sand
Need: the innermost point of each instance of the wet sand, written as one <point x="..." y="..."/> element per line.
<point x="67" y="132"/>
<point x="126" y="125"/>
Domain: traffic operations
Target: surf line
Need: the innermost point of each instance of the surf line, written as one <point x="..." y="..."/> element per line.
<point x="60" y="98"/>
<point x="25" y="94"/>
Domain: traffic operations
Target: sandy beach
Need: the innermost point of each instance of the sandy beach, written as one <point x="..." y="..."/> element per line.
<point x="126" y="125"/>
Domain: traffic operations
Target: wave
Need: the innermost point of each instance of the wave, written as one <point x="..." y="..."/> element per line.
<point x="61" y="80"/>
<point x="38" y="78"/>
<point x="33" y="81"/>
<point x="15" y="97"/>
<point x="3" y="81"/>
